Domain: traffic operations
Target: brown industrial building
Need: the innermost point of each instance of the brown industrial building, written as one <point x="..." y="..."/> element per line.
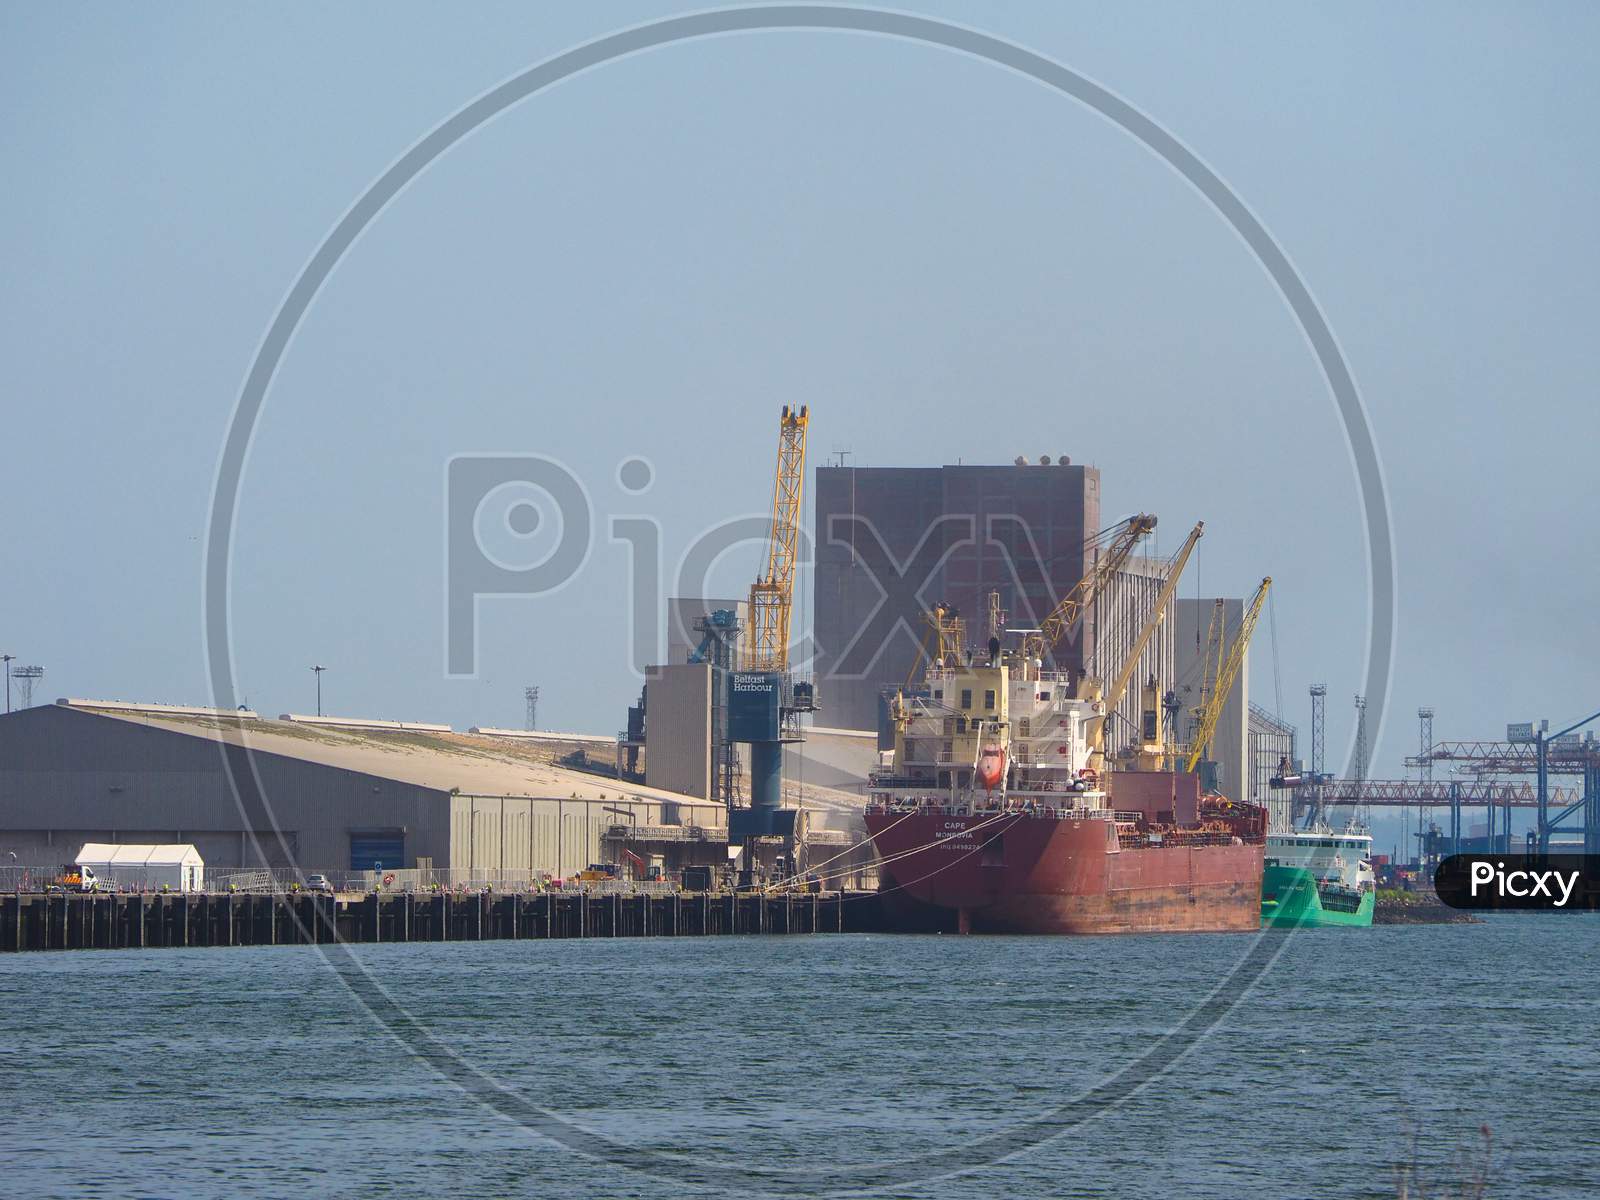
<point x="894" y="541"/>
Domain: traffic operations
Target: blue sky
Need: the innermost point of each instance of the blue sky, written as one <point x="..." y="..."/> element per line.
<point x="944" y="260"/>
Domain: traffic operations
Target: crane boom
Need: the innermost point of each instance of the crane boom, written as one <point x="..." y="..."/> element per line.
<point x="772" y="595"/>
<point x="1119" y="687"/>
<point x="1211" y="712"/>
<point x="1066" y="613"/>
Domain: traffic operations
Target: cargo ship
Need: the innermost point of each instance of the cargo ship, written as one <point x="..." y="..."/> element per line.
<point x="1317" y="877"/>
<point x="995" y="818"/>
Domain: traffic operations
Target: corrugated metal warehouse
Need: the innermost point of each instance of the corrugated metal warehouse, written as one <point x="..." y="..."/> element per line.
<point x="345" y="796"/>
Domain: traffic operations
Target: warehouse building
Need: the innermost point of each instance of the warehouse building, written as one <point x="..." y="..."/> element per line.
<point x="325" y="794"/>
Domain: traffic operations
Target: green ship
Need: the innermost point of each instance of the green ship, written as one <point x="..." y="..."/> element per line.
<point x="1316" y="877"/>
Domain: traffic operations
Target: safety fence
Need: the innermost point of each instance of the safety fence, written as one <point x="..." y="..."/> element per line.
<point x="15" y="878"/>
<point x="425" y="881"/>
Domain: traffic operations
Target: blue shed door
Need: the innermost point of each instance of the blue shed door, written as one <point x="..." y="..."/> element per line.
<point x="368" y="851"/>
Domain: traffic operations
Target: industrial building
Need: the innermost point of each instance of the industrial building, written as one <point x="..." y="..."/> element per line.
<point x="1125" y="606"/>
<point x="892" y="542"/>
<point x="688" y="751"/>
<point x="1271" y="744"/>
<point x="330" y="794"/>
<point x="1192" y="619"/>
<point x="686" y="617"/>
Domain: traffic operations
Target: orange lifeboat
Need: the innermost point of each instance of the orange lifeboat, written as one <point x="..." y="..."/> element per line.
<point x="991" y="767"/>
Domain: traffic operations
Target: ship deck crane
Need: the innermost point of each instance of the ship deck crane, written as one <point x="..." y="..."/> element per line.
<point x="1111" y="697"/>
<point x="947" y="636"/>
<point x="950" y="629"/>
<point x="1070" y="609"/>
<point x="1211" y="709"/>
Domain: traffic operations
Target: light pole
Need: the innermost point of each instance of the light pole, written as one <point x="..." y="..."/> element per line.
<point x="318" y="670"/>
<point x="8" y="658"/>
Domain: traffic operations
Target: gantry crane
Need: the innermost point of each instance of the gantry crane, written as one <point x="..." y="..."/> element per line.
<point x="1210" y="711"/>
<point x="772" y="595"/>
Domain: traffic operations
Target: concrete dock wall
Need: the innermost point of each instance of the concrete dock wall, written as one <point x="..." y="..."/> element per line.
<point x="84" y="921"/>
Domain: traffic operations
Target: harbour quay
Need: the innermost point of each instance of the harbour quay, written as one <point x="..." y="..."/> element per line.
<point x="128" y="921"/>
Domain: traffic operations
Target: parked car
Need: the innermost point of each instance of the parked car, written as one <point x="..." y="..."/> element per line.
<point x="318" y="883"/>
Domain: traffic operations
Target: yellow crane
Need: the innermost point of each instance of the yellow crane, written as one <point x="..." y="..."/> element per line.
<point x="1112" y="696"/>
<point x="1216" y="650"/>
<point x="944" y="641"/>
<point x="1211" y="710"/>
<point x="772" y="595"/>
<point x="951" y="630"/>
<point x="1070" y="609"/>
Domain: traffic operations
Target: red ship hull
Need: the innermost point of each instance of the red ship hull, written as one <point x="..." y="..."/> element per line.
<point x="1020" y="873"/>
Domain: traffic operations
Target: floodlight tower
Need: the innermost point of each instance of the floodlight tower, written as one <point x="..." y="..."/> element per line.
<point x="318" y="670"/>
<point x="1360" y="771"/>
<point x="29" y="676"/>
<point x="1319" y="745"/>
<point x="1424" y="769"/>
<point x="531" y="695"/>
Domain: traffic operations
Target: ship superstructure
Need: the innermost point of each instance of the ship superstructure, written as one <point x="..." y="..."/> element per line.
<point x="1318" y="876"/>
<point x="987" y="737"/>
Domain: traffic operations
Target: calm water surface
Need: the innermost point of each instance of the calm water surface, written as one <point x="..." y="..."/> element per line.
<point x="254" y="1073"/>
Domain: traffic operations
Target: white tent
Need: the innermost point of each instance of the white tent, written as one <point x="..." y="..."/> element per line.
<point x="178" y="868"/>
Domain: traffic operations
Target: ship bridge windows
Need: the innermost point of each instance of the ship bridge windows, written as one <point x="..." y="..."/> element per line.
<point x="966" y="697"/>
<point x="988" y="701"/>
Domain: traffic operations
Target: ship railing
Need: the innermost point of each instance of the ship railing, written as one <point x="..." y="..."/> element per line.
<point x="1055" y="677"/>
<point x="940" y="807"/>
<point x="897" y="782"/>
<point x="1138" y="841"/>
<point x="1050" y="787"/>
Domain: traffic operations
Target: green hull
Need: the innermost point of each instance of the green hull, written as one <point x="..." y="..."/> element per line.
<point x="1290" y="899"/>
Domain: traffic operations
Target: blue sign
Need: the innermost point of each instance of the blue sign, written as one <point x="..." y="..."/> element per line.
<point x="753" y="702"/>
